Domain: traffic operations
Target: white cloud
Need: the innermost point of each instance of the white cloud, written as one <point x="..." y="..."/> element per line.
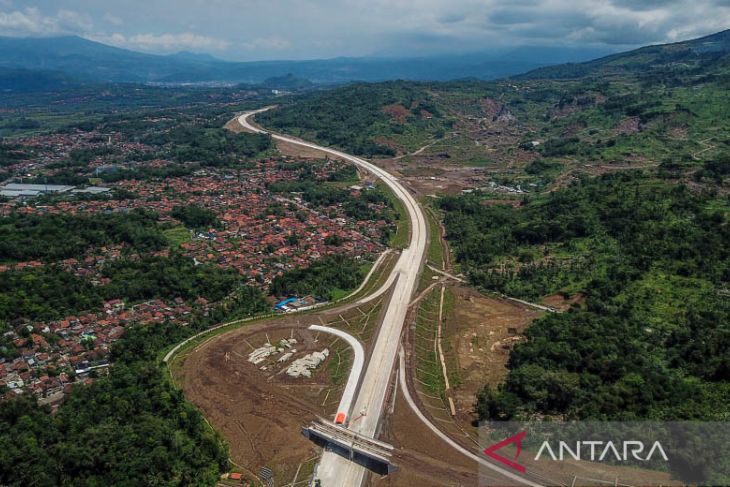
<point x="112" y="19"/>
<point x="274" y="43"/>
<point x="164" y="42"/>
<point x="30" y="21"/>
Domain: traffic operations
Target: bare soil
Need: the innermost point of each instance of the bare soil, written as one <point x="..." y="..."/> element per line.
<point x="260" y="418"/>
<point x="482" y="330"/>
<point x="422" y="459"/>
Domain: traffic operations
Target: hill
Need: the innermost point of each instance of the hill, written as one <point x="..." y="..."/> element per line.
<point x="684" y="57"/>
<point x="25" y="80"/>
<point x="616" y="109"/>
<point x="288" y="82"/>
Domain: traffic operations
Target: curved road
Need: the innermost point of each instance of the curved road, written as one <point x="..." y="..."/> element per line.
<point x="357" y="363"/>
<point x="334" y="470"/>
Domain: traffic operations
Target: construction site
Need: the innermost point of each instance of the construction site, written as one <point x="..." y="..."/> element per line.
<point x="272" y="388"/>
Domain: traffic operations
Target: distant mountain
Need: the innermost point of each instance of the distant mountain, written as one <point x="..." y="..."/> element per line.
<point x="89" y="60"/>
<point x="85" y="61"/>
<point x="194" y="56"/>
<point x="288" y="82"/>
<point x="679" y="56"/>
<point x="25" y="80"/>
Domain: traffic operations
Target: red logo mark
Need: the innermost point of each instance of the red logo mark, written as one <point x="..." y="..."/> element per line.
<point x="517" y="440"/>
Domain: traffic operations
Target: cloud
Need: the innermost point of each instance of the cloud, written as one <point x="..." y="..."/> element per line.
<point x="165" y="42"/>
<point x="30" y="21"/>
<point x="112" y="19"/>
<point x="325" y="28"/>
<point x="275" y="43"/>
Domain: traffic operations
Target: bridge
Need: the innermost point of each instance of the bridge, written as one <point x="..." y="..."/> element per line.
<point x="368" y="452"/>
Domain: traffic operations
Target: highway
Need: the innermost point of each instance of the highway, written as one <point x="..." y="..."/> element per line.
<point x="483" y="462"/>
<point x="334" y="470"/>
<point x="357" y="364"/>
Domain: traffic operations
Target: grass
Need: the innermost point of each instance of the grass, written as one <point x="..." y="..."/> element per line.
<point x="427" y="278"/>
<point x="338" y="294"/>
<point x="435" y="244"/>
<point x="451" y="357"/>
<point x="177" y="235"/>
<point x="428" y="368"/>
<point x="339" y="368"/>
<point x="479" y="161"/>
<point x="402" y="235"/>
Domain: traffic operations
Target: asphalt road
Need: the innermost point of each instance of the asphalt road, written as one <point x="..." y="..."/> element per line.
<point x="333" y="470"/>
<point x="357" y="364"/>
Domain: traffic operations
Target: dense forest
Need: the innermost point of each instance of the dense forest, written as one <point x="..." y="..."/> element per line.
<point x="11" y="154"/>
<point x="51" y="292"/>
<point x="53" y="237"/>
<point x="195" y="216"/>
<point x="44" y="293"/>
<point x="399" y="111"/>
<point x="210" y="146"/>
<point x="321" y="279"/>
<point x="652" y="260"/>
<point x="131" y="428"/>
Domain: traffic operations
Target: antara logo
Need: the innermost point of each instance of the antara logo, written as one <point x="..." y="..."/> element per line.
<point x="598" y="451"/>
<point x="517" y="440"/>
<point x="594" y="451"/>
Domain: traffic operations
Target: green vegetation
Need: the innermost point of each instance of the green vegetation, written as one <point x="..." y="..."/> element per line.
<point x="44" y="293"/>
<point x="670" y="62"/>
<point x="652" y="259"/>
<point x="177" y="236"/>
<point x="131" y="428"/>
<point x="367" y="119"/>
<point x="50" y="292"/>
<point x="10" y="154"/>
<point x="428" y="371"/>
<point x="560" y="242"/>
<point x="210" y="146"/>
<point x="369" y="205"/>
<point x="338" y="368"/>
<point x="323" y="278"/>
<point x="54" y="237"/>
<point x="195" y="216"/>
<point x="435" y="245"/>
<point x="402" y="235"/>
<point x="166" y="278"/>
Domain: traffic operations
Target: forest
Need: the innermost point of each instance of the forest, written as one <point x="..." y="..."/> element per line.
<point x="196" y="217"/>
<point x="52" y="237"/>
<point x="130" y="428"/>
<point x="210" y="146"/>
<point x="651" y="260"/>
<point x="321" y="279"/>
<point x="356" y="128"/>
<point x="51" y="292"/>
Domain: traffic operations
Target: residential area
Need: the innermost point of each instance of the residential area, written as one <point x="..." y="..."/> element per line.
<point x="258" y="232"/>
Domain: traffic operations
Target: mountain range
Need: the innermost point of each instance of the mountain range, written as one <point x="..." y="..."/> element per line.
<point x="87" y="61"/>
<point x="37" y="64"/>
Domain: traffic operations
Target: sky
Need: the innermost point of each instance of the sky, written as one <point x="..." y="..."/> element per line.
<point x="309" y="29"/>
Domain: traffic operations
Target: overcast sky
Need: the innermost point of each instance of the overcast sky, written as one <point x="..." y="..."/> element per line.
<point x="305" y="29"/>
